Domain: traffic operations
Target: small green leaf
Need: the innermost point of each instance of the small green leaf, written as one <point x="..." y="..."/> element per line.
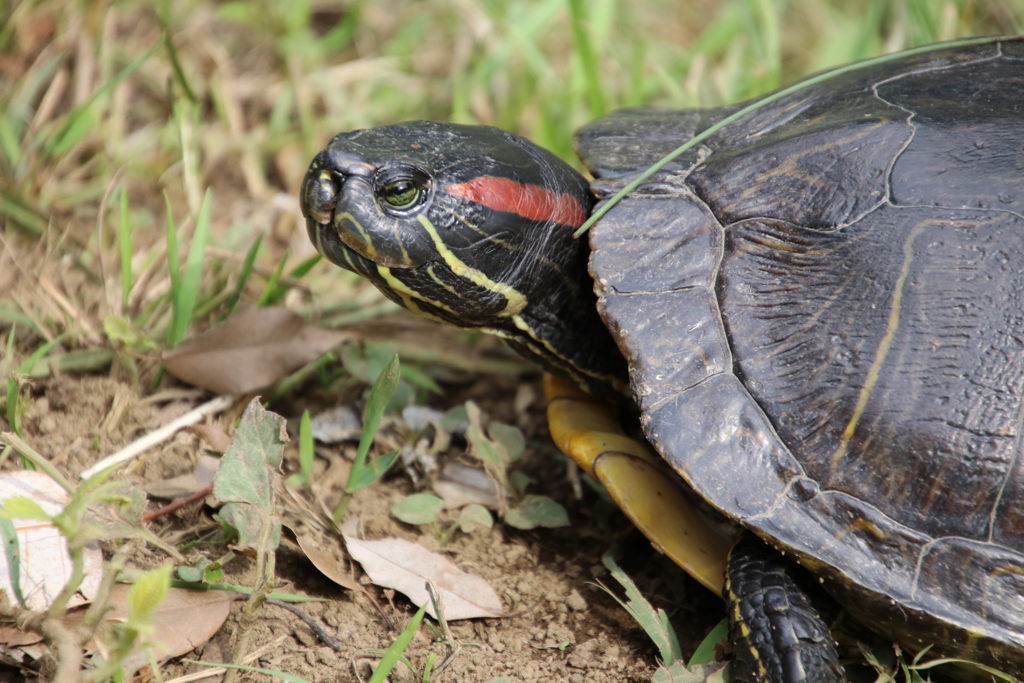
<point x="419" y="508"/>
<point x="510" y="438"/>
<point x="705" y="652"/>
<point x="12" y="550"/>
<point x="519" y="482"/>
<point x="190" y="574"/>
<point x="20" y="507"/>
<point x="535" y="511"/>
<point x="148" y="593"/>
<point x="306" y="453"/>
<point x="475" y="516"/>
<point x="654" y="622"/>
<point x="372" y="471"/>
<point x="454" y="418"/>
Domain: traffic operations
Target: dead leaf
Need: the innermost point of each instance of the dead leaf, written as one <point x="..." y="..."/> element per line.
<point x="216" y="439"/>
<point x="186" y="484"/>
<point x="183" y="622"/>
<point x="335" y="425"/>
<point x="12" y="636"/>
<point x="406" y="567"/>
<point x="250" y="351"/>
<point x="327" y="562"/>
<point x="45" y="558"/>
<point x="460" y="484"/>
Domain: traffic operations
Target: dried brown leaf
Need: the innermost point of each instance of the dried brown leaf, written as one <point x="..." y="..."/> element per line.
<point x="186" y="484"/>
<point x="460" y="484"/>
<point x="183" y="622"/>
<point x="250" y="351"/>
<point x="406" y="567"/>
<point x="327" y="562"/>
<point x="216" y="439"/>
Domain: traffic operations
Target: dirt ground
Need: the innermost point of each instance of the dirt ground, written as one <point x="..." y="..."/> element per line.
<point x="560" y="626"/>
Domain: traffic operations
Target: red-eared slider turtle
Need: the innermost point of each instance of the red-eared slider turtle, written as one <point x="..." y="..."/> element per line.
<point x="819" y="311"/>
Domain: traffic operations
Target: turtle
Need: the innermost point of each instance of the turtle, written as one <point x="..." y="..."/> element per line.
<point x="817" y="313"/>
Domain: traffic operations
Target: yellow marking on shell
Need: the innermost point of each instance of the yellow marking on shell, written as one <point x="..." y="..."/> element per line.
<point x="875" y="372"/>
<point x="515" y="300"/>
<point x="989" y="593"/>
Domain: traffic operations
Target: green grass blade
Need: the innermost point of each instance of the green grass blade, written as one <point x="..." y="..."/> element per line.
<point x="25" y="368"/>
<point x="382" y="391"/>
<point x="654" y="622"/>
<point x="22" y="214"/>
<point x="390" y="658"/>
<point x="174" y="272"/>
<point x="82" y="117"/>
<point x="272" y="673"/>
<point x="372" y="471"/>
<point x="306" y="453"/>
<point x="179" y="73"/>
<point x="124" y="240"/>
<point x="243" y="277"/>
<point x="188" y="291"/>
<point x="588" y="60"/>
<point x="272" y="293"/>
<point x="10" y="145"/>
<point x="705" y="652"/>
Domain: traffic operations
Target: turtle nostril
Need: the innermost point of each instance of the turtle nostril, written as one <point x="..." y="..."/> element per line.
<point x="319" y="194"/>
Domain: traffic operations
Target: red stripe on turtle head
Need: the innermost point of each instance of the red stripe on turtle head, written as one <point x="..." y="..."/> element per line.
<point x="529" y="201"/>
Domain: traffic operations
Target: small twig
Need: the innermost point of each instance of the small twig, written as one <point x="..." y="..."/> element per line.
<point x="178" y="503"/>
<point x="309" y="621"/>
<point x="142" y="445"/>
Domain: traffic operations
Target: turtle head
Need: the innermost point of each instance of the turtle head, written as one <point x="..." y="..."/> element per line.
<point x="469" y="225"/>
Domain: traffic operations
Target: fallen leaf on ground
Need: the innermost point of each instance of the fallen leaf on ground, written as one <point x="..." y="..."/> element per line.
<point x="406" y="567"/>
<point x="216" y="439"/>
<point x="183" y="622"/>
<point x="250" y="351"/>
<point x="186" y="484"/>
<point x="336" y="424"/>
<point x="460" y="484"/>
<point x="45" y="565"/>
<point x="327" y="562"/>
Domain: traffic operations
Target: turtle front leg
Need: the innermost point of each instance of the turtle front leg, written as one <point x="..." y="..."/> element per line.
<point x="777" y="634"/>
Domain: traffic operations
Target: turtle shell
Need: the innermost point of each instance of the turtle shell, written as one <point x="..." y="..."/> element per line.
<point x="822" y="308"/>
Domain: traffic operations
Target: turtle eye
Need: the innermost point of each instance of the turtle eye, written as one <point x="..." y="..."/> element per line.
<point x="401" y="194"/>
